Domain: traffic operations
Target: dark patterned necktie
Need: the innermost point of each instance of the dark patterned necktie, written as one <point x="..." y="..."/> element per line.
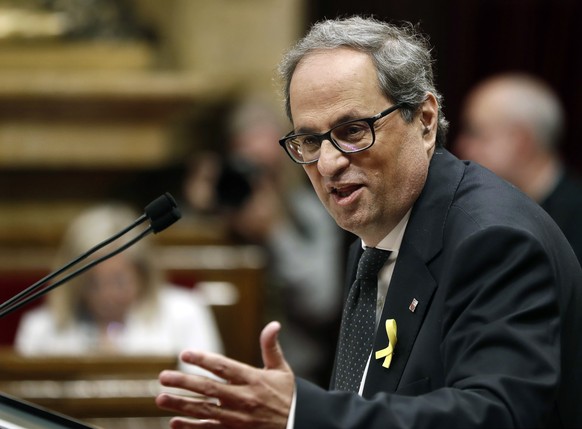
<point x="359" y="321"/>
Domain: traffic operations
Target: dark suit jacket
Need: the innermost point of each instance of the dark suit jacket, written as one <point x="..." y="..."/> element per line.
<point x="564" y="205"/>
<point x="496" y="284"/>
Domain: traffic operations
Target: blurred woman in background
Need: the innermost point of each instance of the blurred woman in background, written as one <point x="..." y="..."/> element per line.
<point x="122" y="305"/>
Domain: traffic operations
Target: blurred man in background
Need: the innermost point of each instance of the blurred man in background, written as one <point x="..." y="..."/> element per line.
<point x="513" y="124"/>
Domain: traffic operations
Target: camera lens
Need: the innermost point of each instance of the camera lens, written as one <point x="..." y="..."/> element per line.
<point x="234" y="184"/>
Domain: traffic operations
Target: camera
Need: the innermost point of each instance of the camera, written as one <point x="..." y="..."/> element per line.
<point x="235" y="182"/>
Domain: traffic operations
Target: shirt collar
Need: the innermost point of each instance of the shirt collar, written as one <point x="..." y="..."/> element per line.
<point x="393" y="240"/>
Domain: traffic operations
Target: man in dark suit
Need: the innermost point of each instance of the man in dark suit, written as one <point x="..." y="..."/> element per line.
<point x="479" y="304"/>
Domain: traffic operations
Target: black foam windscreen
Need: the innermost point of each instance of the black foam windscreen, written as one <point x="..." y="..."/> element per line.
<point x="162" y="212"/>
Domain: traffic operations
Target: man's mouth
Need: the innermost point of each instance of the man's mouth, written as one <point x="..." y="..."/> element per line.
<point x="344" y="191"/>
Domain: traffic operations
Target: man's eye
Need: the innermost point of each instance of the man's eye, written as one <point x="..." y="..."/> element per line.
<point x="352" y="132"/>
<point x="310" y="141"/>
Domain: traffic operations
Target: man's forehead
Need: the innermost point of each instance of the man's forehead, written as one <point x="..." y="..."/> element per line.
<point x="344" y="78"/>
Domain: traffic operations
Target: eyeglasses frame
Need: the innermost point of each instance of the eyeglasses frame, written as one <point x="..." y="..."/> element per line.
<point x="327" y="135"/>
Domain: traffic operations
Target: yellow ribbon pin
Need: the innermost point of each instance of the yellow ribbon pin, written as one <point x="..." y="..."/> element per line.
<point x="387" y="352"/>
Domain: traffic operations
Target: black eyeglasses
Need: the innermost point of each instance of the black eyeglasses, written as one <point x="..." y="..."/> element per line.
<point x="350" y="137"/>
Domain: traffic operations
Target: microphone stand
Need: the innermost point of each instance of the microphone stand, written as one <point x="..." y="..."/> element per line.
<point x="65" y="267"/>
<point x="33" y="293"/>
<point x="162" y="212"/>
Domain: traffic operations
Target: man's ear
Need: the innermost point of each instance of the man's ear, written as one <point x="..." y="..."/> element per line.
<point x="428" y="114"/>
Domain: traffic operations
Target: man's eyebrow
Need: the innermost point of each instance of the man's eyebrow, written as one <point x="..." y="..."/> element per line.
<point x="344" y="117"/>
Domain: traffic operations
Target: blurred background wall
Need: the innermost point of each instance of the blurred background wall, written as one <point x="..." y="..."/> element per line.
<point x="106" y="100"/>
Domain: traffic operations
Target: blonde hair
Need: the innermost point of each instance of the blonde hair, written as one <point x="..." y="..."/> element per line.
<point x="87" y="230"/>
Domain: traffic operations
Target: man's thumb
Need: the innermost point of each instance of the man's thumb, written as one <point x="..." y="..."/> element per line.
<point x="271" y="350"/>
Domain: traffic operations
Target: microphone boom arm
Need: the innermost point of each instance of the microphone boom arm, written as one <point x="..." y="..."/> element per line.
<point x="65" y="267"/>
<point x="161" y="212"/>
<point x="16" y="304"/>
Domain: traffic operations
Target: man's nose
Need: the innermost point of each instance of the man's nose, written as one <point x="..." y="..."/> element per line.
<point x="331" y="160"/>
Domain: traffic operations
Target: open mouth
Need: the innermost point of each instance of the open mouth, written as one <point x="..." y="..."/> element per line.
<point x="344" y="191"/>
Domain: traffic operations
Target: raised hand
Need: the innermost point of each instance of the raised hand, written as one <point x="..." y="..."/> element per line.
<point x="249" y="397"/>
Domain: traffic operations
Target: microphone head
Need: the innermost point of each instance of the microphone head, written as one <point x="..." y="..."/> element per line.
<point x="162" y="212"/>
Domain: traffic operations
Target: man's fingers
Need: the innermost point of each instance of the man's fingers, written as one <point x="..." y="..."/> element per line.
<point x="208" y="413"/>
<point x="271" y="350"/>
<point x="198" y="385"/>
<point x="194" y="407"/>
<point x="230" y="370"/>
<point x="184" y="423"/>
<point x="243" y="396"/>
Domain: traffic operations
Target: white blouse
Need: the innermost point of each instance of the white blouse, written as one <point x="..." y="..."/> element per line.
<point x="182" y="320"/>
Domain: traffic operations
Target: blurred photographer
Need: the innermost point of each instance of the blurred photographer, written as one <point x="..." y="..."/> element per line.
<point x="251" y="188"/>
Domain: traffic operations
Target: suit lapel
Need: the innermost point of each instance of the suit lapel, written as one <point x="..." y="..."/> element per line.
<point x="412" y="279"/>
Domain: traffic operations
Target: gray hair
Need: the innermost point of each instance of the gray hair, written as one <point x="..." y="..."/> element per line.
<point x="400" y="53"/>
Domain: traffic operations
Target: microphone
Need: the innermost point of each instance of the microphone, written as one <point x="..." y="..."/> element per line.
<point x="161" y="213"/>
